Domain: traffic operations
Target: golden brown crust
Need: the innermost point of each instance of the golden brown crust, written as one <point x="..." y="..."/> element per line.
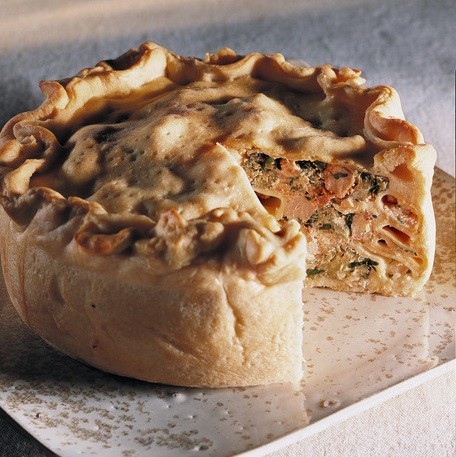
<point x="31" y="142"/>
<point x="128" y="177"/>
<point x="213" y="324"/>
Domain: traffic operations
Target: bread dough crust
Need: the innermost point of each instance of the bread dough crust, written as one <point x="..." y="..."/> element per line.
<point x="132" y="237"/>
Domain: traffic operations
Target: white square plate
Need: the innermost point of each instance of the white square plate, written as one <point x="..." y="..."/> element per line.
<point x="365" y="349"/>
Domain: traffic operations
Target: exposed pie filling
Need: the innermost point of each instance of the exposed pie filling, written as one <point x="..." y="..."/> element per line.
<point x="351" y="222"/>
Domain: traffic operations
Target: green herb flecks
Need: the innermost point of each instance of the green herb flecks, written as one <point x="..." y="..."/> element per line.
<point x="263" y="160"/>
<point x="269" y="160"/>
<point x="312" y="219"/>
<point x="340" y="175"/>
<point x="311" y="165"/>
<point x="349" y="222"/>
<point x="293" y="182"/>
<point x="314" y="271"/>
<point x="326" y="226"/>
<point x="369" y="264"/>
<point x="376" y="183"/>
<point x="328" y="219"/>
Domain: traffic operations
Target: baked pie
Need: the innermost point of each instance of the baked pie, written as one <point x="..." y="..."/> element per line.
<point x="159" y="212"/>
